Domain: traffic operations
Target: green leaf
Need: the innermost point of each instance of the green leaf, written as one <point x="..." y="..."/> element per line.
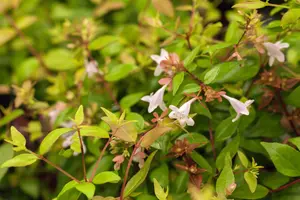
<point x="212" y="29"/>
<point x="213" y="48"/>
<point x="111" y="117"/>
<point x="226" y="178"/>
<point x="293" y="98"/>
<point x="131" y="99"/>
<point x="60" y="60"/>
<point x="20" y="160"/>
<point x="86" y="188"/>
<point x="232" y="148"/>
<point x="251" y="5"/>
<point x="273" y="180"/>
<point x="190" y="88"/>
<point x="226" y="129"/>
<point x="161" y="174"/>
<point x="106" y="177"/>
<point x="17" y="139"/>
<point x="195" y="138"/>
<point x="181" y="182"/>
<point x="119" y="72"/>
<point x="159" y="191"/>
<point x="79" y="116"/>
<point x="290" y="17"/>
<point x="177" y="80"/>
<point x="228" y="72"/>
<point x="6" y="152"/>
<point x="102" y="41"/>
<point x="11" y="116"/>
<point x="284" y="157"/>
<point x="243" y="159"/>
<point x="51" y="138"/>
<point x="201" y="161"/>
<point x="243" y="192"/>
<point x="25" y="21"/>
<point x="154" y="134"/>
<point x="139" y="177"/>
<point x="93" y="131"/>
<point x="136" y="117"/>
<point x="191" y="56"/>
<point x="201" y="109"/>
<point x="251" y="181"/>
<point x="67" y="187"/>
<point x="295" y="141"/>
<point x="31" y="186"/>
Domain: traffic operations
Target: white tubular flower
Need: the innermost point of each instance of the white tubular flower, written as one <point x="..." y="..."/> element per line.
<point x="182" y="113"/>
<point x="164" y="55"/>
<point x="239" y="107"/>
<point x="156" y="99"/>
<point x="91" y="67"/>
<point x="274" y="51"/>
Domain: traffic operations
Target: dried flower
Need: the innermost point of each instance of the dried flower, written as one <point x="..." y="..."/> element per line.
<point x="269" y="78"/>
<point x="119" y="159"/>
<point x="182" y="147"/>
<point x="210" y="94"/>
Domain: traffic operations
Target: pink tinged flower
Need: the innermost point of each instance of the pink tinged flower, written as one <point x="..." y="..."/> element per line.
<point x="53" y="114"/>
<point x="239" y="107"/>
<point x="156" y="100"/>
<point x="139" y="157"/>
<point x="119" y="159"/>
<point x="68" y="141"/>
<point x="182" y="113"/>
<point x="274" y="51"/>
<point x="91" y="67"/>
<point x="164" y="55"/>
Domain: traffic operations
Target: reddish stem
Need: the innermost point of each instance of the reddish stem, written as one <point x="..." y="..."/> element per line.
<point x="82" y="155"/>
<point x="285" y="186"/>
<point x="99" y="159"/>
<point x="212" y="141"/>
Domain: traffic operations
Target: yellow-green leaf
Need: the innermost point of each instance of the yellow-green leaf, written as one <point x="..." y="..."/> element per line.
<point x="106" y="177"/>
<point x="159" y="191"/>
<point x="20" y="160"/>
<point x="251" y="181"/>
<point x="79" y="116"/>
<point x="6" y="34"/>
<point x="17" y="138"/>
<point x="153" y="135"/>
<point x="86" y="188"/>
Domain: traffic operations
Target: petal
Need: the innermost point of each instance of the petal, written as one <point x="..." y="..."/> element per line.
<point x="164" y="54"/>
<point x="249" y="102"/>
<point x="283" y="45"/>
<point x="182" y="122"/>
<point x="174" y="108"/>
<point x="156" y="58"/>
<point x="185" y="108"/>
<point x="190" y="122"/>
<point x="237" y="105"/>
<point x="162" y="106"/>
<point x="158" y="70"/>
<point x="173" y="115"/>
<point x="280" y="57"/>
<point x="152" y="107"/>
<point x="271" y="61"/>
<point x="146" y="98"/>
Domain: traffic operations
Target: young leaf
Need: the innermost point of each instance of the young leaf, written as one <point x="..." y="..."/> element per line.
<point x="20" y="160"/>
<point x="93" y="131"/>
<point x="153" y="135"/>
<point x="102" y="41"/>
<point x="250" y="5"/>
<point x="226" y="177"/>
<point x="79" y="116"/>
<point x="17" y="139"/>
<point x="67" y="187"/>
<point x="295" y="141"/>
<point x="177" y="80"/>
<point x="111" y="117"/>
<point x="290" y="17"/>
<point x="119" y="71"/>
<point x="159" y="191"/>
<point x="164" y="6"/>
<point x="191" y="56"/>
<point x="125" y="131"/>
<point x="86" y="188"/>
<point x="190" y="88"/>
<point x="251" y="181"/>
<point x="139" y="177"/>
<point x="226" y="129"/>
<point x="243" y="159"/>
<point x="11" y="116"/>
<point x="106" y="177"/>
<point x="131" y="99"/>
<point x="284" y="157"/>
<point x="51" y="138"/>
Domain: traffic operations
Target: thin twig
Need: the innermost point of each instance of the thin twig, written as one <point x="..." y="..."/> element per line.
<point x="82" y="154"/>
<point x="99" y="159"/>
<point x="212" y="141"/>
<point x="285" y="111"/>
<point x="137" y="145"/>
<point x="32" y="50"/>
<point x="285" y="186"/>
<point x="54" y="165"/>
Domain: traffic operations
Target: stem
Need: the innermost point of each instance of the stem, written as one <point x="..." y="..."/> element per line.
<point x="54" y="165"/>
<point x="82" y="154"/>
<point x="130" y="161"/>
<point x="32" y="50"/>
<point x="188" y="41"/>
<point x="285" y="186"/>
<point x="212" y="141"/>
<point x="275" y="5"/>
<point x="285" y="111"/>
<point x="194" y="77"/>
<point x="99" y="159"/>
<point x="290" y="71"/>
